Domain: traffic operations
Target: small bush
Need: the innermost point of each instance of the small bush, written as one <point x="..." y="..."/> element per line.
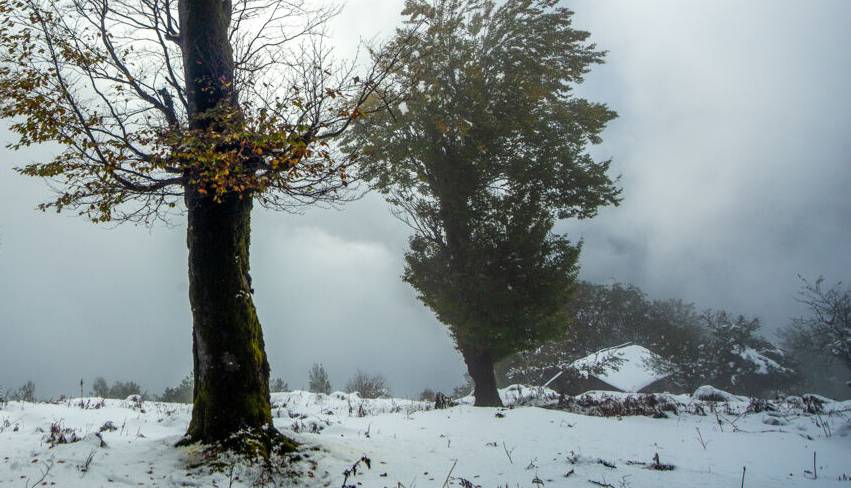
<point x="646" y="404"/>
<point x="278" y="385"/>
<point x="123" y="389"/>
<point x="100" y="387"/>
<point x="368" y="386"/>
<point x="318" y="380"/>
<point x="181" y="393"/>
<point x="26" y="393"/>
<point x="427" y="395"/>
<point x="464" y="389"/>
<point x="119" y="389"/>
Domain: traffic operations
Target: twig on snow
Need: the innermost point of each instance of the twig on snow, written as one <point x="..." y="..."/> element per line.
<point x="507" y="452"/>
<point x="700" y="438"/>
<point x="446" y="482"/>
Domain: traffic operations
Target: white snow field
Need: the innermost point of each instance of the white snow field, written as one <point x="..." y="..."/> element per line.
<point x="410" y="445"/>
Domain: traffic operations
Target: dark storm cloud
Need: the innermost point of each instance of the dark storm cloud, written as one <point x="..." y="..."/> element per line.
<point x="733" y="146"/>
<point x="732" y="143"/>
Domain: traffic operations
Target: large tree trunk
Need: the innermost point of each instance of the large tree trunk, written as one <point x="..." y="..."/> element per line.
<point x="231" y="371"/>
<point x="231" y="397"/>
<point x="480" y="367"/>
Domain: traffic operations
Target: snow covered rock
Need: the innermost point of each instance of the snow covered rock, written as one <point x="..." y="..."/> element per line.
<point x="515" y="395"/>
<point x="709" y="393"/>
<point x="628" y="368"/>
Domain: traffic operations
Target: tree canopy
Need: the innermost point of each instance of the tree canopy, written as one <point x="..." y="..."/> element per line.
<point x="113" y="83"/>
<point x="486" y="151"/>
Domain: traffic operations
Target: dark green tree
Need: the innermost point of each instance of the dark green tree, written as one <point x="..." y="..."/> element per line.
<point x="485" y="153"/>
<point x="202" y="106"/>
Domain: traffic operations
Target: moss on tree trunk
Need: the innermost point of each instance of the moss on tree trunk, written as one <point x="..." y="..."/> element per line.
<point x="231" y="391"/>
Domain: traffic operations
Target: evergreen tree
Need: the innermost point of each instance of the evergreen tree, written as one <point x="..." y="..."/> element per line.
<point x="486" y="152"/>
<point x="317" y="380"/>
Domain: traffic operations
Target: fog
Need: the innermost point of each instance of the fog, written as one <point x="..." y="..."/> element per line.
<point x="734" y="155"/>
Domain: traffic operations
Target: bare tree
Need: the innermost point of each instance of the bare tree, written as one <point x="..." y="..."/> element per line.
<point x="368" y="386"/>
<point x="209" y="104"/>
<point x="826" y="329"/>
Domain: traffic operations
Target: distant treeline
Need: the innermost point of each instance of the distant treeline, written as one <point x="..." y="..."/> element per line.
<point x="701" y="347"/>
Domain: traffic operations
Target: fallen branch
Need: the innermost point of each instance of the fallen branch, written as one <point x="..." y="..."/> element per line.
<point x="446" y="483"/>
<point x="601" y="483"/>
<point x="700" y="438"/>
<point x="507" y="452"/>
<point x="48" y="465"/>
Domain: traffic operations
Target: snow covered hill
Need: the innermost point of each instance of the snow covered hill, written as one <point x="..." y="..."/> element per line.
<point x="125" y="443"/>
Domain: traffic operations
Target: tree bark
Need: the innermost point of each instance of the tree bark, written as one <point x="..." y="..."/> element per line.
<point x="480" y="367"/>
<point x="231" y="394"/>
<point x="231" y="371"/>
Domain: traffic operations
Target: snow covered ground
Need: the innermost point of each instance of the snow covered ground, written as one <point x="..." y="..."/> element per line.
<point x="123" y="443"/>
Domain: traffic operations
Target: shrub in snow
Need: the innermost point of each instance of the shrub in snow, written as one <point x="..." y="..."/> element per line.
<point x="317" y="380"/>
<point x="427" y="395"/>
<point x="610" y="404"/>
<point x="464" y="389"/>
<point x="26" y="393"/>
<point x="278" y="385"/>
<point x="709" y="393"/>
<point x="100" y="387"/>
<point x="368" y="386"/>
<point x="181" y="393"/>
<point x="442" y="401"/>
<point x="119" y="390"/>
<point x="60" y="435"/>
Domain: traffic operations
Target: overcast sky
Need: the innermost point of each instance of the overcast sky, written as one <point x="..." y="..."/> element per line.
<point x="734" y="150"/>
